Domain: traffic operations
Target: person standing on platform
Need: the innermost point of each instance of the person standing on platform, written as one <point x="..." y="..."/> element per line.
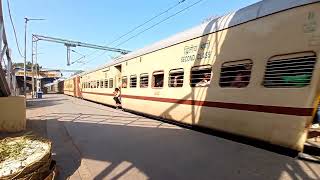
<point x="117" y="98"/>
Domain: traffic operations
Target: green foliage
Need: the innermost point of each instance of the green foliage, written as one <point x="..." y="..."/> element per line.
<point x="28" y="65"/>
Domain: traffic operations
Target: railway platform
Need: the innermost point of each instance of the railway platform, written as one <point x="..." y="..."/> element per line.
<point x="93" y="141"/>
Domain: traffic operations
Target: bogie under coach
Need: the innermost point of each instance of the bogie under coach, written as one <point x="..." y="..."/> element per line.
<point x="254" y="73"/>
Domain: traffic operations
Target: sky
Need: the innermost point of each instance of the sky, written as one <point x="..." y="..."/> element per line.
<point x="100" y="22"/>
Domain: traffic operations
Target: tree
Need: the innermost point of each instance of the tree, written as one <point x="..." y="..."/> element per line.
<point x="28" y="65"/>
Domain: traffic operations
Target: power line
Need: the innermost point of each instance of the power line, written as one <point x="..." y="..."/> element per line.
<point x="78" y="60"/>
<point x="154" y="17"/>
<point x="137" y="27"/>
<point x="77" y="52"/>
<point x="14" y="29"/>
<point x="184" y="9"/>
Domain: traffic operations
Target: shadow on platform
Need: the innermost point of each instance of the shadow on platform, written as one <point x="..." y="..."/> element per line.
<point x="39" y="103"/>
<point x="117" y="146"/>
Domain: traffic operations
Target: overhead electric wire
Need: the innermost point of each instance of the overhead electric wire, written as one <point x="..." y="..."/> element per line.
<point x="154" y="17"/>
<point x="137" y="27"/>
<point x="182" y="10"/>
<point x="14" y="29"/>
<point x="77" y="53"/>
<point x="77" y="61"/>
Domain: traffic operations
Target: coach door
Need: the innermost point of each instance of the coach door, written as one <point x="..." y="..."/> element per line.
<point x="74" y="87"/>
<point x="117" y="82"/>
<point x="79" y="93"/>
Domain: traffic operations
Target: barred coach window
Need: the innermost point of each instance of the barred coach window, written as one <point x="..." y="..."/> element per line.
<point x="144" y="80"/>
<point x="106" y="83"/>
<point x="133" y="81"/>
<point x="290" y="71"/>
<point x="236" y="74"/>
<point x="101" y="84"/>
<point x="200" y="76"/>
<point x="124" y="82"/>
<point x="111" y="83"/>
<point x="176" y="78"/>
<point x="157" y="80"/>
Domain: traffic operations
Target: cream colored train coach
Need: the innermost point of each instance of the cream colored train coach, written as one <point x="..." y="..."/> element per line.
<point x="254" y="73"/>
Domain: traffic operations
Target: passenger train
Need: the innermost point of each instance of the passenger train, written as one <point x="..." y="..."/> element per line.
<point x="56" y="87"/>
<point x="253" y="73"/>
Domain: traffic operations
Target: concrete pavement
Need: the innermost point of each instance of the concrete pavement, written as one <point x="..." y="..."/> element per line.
<point x="93" y="141"/>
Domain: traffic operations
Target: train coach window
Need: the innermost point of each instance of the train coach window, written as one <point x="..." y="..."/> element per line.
<point x="133" y="81"/>
<point x="157" y="79"/>
<point x="111" y="83"/>
<point x="144" y="80"/>
<point x="235" y="74"/>
<point x="101" y="84"/>
<point x="106" y="83"/>
<point x="291" y="71"/>
<point x="176" y="78"/>
<point x="200" y="76"/>
<point x="124" y="82"/>
<point x="97" y="84"/>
